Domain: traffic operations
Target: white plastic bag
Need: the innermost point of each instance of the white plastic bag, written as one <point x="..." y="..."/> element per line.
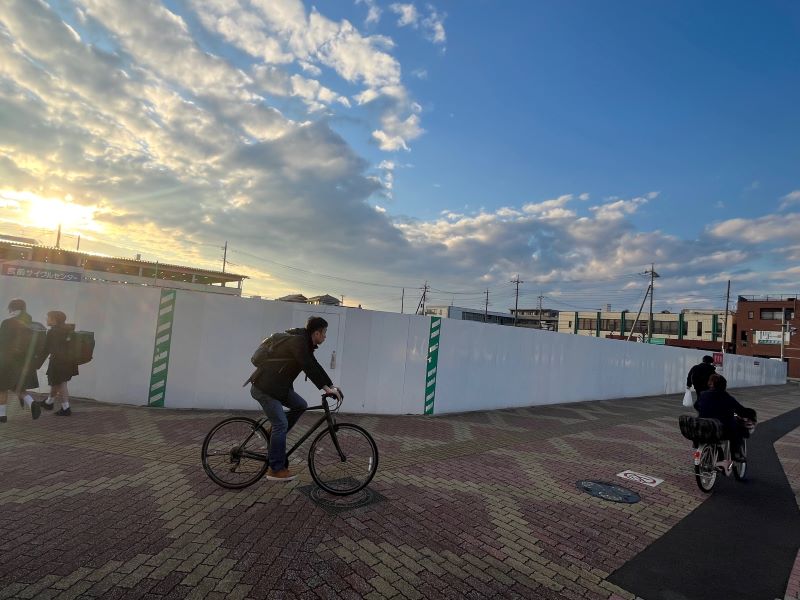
<point x="688" y="398"/>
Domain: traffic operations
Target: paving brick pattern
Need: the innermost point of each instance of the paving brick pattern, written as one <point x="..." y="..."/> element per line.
<point x="788" y="449"/>
<point x="113" y="503"/>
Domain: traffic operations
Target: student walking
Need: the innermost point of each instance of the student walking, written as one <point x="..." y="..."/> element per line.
<point x="18" y="359"/>
<point x="63" y="365"/>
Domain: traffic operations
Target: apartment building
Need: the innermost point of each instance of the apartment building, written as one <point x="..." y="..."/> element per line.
<point x="692" y="328"/>
<point x="767" y="328"/>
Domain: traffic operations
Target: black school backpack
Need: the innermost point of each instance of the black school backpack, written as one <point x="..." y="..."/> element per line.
<point x="28" y="342"/>
<point x="81" y="346"/>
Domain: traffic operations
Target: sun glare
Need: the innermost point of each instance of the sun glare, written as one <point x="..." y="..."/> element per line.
<point x="49" y="213"/>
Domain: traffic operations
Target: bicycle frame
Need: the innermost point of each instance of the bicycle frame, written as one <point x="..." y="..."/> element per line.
<point x="726" y="463"/>
<point x="327" y="417"/>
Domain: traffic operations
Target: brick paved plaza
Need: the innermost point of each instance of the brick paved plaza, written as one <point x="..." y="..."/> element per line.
<point x="113" y="503"/>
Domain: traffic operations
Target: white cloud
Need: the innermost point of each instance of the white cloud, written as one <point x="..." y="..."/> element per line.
<point x="373" y="11"/>
<point x="432" y="23"/>
<point x="619" y="208"/>
<point x="790" y="199"/>
<point x="407" y="14"/>
<point x="769" y="228"/>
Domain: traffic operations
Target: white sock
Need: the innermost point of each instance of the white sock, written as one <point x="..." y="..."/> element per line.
<point x="2" y="410"/>
<point x="49" y="401"/>
<point x="65" y="405"/>
<point x="28" y="400"/>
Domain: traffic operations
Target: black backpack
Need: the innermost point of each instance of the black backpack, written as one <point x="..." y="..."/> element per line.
<point x="265" y="353"/>
<point x="28" y="342"/>
<point x="81" y="346"/>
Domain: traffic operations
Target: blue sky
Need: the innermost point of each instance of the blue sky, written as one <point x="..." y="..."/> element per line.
<point x="383" y="144"/>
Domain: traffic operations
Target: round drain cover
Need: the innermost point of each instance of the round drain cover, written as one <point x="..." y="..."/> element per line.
<point x="609" y="491"/>
<point x="362" y="498"/>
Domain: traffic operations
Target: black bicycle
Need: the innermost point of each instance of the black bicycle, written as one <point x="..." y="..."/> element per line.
<point x="342" y="460"/>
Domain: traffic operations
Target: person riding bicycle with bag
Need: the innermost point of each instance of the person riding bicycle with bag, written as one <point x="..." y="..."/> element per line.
<point x="698" y="376"/>
<point x="717" y="403"/>
<point x="272" y="387"/>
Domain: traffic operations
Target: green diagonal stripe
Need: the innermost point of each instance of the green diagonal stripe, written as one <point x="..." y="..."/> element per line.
<point x="432" y="365"/>
<point x="161" y="346"/>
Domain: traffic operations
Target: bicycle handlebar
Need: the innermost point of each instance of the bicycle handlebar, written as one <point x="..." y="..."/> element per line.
<point x="339" y="398"/>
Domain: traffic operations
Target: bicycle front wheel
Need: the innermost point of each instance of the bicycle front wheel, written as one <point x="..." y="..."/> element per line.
<point x="346" y="473"/>
<point x="234" y="453"/>
<point x="705" y="472"/>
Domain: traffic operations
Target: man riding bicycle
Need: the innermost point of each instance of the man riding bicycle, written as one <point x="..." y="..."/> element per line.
<point x="698" y="376"/>
<point x="717" y="403"/>
<point x="272" y="388"/>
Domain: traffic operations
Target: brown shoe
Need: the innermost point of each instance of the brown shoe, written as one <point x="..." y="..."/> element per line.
<point x="282" y="475"/>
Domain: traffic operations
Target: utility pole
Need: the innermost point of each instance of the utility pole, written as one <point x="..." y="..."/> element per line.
<point x="486" y="307"/>
<point x="342" y="300"/>
<point x="633" y="327"/>
<point x="540" y="310"/>
<point x="422" y="300"/>
<point x="653" y="276"/>
<point x="58" y="237"/>
<point x="78" y="247"/>
<point x="224" y="255"/>
<point x="516" y="297"/>
<point x="402" y="300"/>
<point x="725" y="320"/>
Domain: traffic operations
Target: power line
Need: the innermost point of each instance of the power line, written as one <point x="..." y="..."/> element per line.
<point x="323" y="275"/>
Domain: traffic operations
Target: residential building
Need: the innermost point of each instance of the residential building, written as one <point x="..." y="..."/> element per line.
<point x="529" y="317"/>
<point x="759" y="321"/>
<point x="691" y="328"/>
<point x="21" y="259"/>
<point x="293" y="298"/>
<point x="470" y="314"/>
<point x="325" y="299"/>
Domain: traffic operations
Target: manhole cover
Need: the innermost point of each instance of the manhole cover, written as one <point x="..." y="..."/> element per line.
<point x="334" y="505"/>
<point x="609" y="491"/>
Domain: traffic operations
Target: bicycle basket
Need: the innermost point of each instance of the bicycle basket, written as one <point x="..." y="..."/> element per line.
<point x="703" y="431"/>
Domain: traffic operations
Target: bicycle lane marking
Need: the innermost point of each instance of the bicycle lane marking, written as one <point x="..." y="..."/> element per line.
<point x="740" y="543"/>
<point x="433" y="360"/>
<point x="161" y="346"/>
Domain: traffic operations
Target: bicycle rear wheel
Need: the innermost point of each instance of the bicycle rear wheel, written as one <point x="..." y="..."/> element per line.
<point x="234" y="452"/>
<point x="740" y="468"/>
<point x="705" y="472"/>
<point x="343" y="477"/>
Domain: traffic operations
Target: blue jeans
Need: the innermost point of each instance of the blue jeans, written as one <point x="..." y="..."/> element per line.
<point x="281" y="421"/>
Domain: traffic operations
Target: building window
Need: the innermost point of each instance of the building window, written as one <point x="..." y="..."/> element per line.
<point x="699" y="329"/>
<point x="769" y="314"/>
<point x="609" y="324"/>
<point x="744" y="336"/>
<point x="641" y="327"/>
<point x="749" y="314"/>
<point x="665" y="327"/>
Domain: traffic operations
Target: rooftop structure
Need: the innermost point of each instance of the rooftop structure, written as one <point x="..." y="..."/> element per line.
<point x="21" y="259"/>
